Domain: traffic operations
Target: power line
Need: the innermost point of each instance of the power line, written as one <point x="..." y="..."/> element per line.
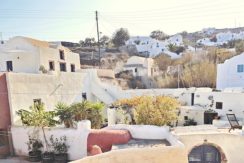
<point x="205" y="6"/>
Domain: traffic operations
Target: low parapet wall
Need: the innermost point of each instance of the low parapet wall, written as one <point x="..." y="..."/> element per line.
<point x="148" y="132"/>
<point x="143" y="155"/>
<point x="76" y="138"/>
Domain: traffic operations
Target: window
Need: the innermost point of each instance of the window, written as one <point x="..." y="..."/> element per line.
<point x="61" y="54"/>
<point x="9" y="65"/>
<point x="37" y="101"/>
<point x="219" y="105"/>
<point x="84" y="96"/>
<point x="72" y="67"/>
<point x="239" y="68"/>
<point x="51" y="66"/>
<point x="63" y="67"/>
<point x="185" y="118"/>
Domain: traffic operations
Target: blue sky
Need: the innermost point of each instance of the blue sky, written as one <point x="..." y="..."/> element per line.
<point x="73" y="20"/>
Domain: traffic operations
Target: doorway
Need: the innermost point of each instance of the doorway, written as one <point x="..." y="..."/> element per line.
<point x="209" y="117"/>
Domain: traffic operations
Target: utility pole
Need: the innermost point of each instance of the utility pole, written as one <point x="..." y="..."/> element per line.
<point x="195" y="39"/>
<point x="178" y="75"/>
<point x="98" y="41"/>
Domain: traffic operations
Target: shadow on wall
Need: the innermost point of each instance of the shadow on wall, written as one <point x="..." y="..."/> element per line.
<point x="5" y="120"/>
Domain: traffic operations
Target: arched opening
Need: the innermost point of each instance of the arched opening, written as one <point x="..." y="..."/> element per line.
<point x="204" y="154"/>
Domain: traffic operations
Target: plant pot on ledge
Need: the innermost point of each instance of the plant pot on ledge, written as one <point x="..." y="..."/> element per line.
<point x="48" y="157"/>
<point x="61" y="158"/>
<point x="60" y="149"/>
<point x="35" y="156"/>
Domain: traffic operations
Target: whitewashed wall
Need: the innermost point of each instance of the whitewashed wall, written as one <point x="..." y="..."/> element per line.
<point x="227" y="75"/>
<point x="148" y="132"/>
<point x="51" y="89"/>
<point x="192" y="112"/>
<point x="27" y="57"/>
<point x="76" y="138"/>
<point x="231" y="101"/>
<point x="22" y="61"/>
<point x="51" y="54"/>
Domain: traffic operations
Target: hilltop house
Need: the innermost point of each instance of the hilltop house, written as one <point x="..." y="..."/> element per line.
<point x="231" y="73"/>
<point x="221" y="38"/>
<point x="150" y="47"/>
<point x="22" y="54"/>
<point x="141" y="67"/>
<point x="208" y="31"/>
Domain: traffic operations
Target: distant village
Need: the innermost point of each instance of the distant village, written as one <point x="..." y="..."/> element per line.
<point x="203" y="71"/>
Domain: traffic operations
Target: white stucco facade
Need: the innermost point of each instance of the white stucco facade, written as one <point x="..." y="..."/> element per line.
<point x="221" y="38"/>
<point x="228" y="73"/>
<point x="151" y="47"/>
<point x="28" y="55"/>
<point x="140" y="66"/>
<point x="24" y="88"/>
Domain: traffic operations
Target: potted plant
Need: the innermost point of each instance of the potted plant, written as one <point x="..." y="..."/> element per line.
<point x="88" y="110"/>
<point x="38" y="117"/>
<point x="65" y="114"/>
<point x="60" y="149"/>
<point x="48" y="157"/>
<point x="34" y="147"/>
<point x="190" y="122"/>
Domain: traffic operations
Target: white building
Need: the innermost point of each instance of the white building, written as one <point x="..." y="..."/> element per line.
<point x="206" y="41"/>
<point x="222" y="38"/>
<point x="22" y="54"/>
<point x="151" y="47"/>
<point x="141" y="67"/>
<point x="231" y="73"/>
<point x="208" y="31"/>
<point x="175" y="40"/>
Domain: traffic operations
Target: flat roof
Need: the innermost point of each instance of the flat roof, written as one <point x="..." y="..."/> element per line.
<point x="141" y="143"/>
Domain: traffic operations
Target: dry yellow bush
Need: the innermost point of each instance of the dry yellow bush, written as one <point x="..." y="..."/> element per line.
<point x="149" y="110"/>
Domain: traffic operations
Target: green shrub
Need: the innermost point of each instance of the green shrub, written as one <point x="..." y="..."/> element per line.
<point x="88" y="111"/>
<point x="59" y="145"/>
<point x="37" y="116"/>
<point x="65" y="114"/>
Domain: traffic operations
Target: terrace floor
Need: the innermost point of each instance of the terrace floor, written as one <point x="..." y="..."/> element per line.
<point x="14" y="160"/>
<point x="204" y="129"/>
<point x="141" y="143"/>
